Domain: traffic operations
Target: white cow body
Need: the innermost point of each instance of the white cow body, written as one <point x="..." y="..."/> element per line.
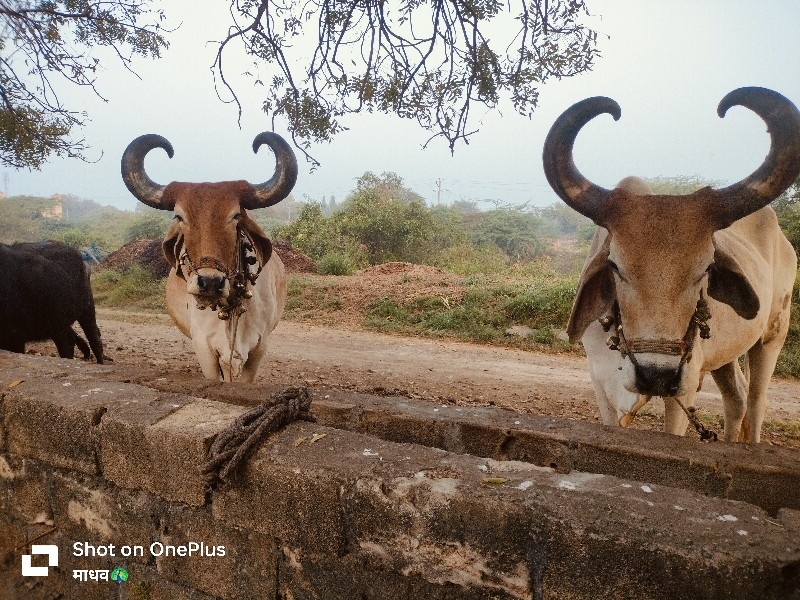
<point x="769" y="263"/>
<point x="233" y="347"/>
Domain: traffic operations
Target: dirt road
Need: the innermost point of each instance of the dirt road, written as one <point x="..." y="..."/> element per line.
<point x="441" y="371"/>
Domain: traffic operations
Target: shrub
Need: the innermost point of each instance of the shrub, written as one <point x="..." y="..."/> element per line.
<point x="335" y="263"/>
<point x="543" y="304"/>
<point x="134" y="287"/>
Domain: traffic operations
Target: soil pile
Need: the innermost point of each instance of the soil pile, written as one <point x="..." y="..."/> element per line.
<point x="393" y="268"/>
<point x="294" y="260"/>
<point x="148" y="254"/>
<point x="145" y="253"/>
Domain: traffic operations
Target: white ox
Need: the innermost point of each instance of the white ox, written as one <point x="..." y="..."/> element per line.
<point x="226" y="289"/>
<point x="678" y="286"/>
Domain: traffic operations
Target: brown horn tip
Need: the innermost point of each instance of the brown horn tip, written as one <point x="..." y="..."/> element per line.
<point x="282" y="181"/>
<point x="781" y="166"/>
<point x="559" y="166"/>
<point x="135" y="177"/>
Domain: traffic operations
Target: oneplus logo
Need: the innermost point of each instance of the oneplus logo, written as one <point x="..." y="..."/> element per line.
<point x="52" y="560"/>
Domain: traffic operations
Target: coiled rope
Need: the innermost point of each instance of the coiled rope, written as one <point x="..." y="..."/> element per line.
<point x="234" y="444"/>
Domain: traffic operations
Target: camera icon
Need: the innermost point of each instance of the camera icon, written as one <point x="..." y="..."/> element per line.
<point x="50" y="550"/>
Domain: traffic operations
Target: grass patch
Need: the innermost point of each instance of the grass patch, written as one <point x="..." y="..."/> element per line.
<point x="789" y="359"/>
<point x="787" y="429"/>
<point x="484" y="309"/>
<point x="133" y="288"/>
<point x="476" y="307"/>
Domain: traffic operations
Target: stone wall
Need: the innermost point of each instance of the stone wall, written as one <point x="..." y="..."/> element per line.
<point x="382" y="498"/>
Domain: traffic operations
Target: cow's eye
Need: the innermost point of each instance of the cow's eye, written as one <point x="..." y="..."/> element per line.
<point x="236" y="217"/>
<point x="616" y="270"/>
<point x="178" y="218"/>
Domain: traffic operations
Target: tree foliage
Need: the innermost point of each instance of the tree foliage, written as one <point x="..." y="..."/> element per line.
<point x="426" y="61"/>
<point x="787" y="207"/>
<point x="382" y="221"/>
<point x="680" y="185"/>
<point x="389" y="221"/>
<point x="516" y="231"/>
<point x="47" y="40"/>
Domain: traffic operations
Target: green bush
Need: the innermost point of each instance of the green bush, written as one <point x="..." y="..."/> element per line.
<point x="335" y="263"/>
<point x="133" y="288"/>
<point x="542" y="303"/>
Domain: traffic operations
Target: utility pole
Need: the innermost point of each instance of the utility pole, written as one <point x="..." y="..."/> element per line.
<point x="438" y="191"/>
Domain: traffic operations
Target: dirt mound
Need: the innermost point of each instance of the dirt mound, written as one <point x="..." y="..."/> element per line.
<point x="145" y="253"/>
<point x="148" y="254"/>
<point x="294" y="260"/>
<point x="393" y="268"/>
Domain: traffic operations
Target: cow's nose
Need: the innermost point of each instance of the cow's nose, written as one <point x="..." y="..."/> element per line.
<point x="657" y="381"/>
<point x="211" y="284"/>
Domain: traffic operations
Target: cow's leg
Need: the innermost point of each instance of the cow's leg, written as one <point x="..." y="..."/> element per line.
<point x="731" y="384"/>
<point x="89" y="325"/>
<point x="250" y="367"/>
<point x="675" y="420"/>
<point x="763" y="358"/>
<point x="81" y="344"/>
<point x="608" y="412"/>
<point x="208" y="359"/>
<point x="65" y="342"/>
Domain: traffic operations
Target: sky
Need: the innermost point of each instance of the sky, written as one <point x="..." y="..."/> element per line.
<point x="668" y="64"/>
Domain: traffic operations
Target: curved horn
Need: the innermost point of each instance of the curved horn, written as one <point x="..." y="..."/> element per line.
<point x="562" y="174"/>
<point x="133" y="174"/>
<point x="283" y="180"/>
<point x="781" y="166"/>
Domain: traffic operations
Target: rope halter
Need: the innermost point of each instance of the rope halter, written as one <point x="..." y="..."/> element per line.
<point x="682" y="348"/>
<point x="238" y="277"/>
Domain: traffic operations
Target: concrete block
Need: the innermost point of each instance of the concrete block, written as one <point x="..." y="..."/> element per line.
<point x="56" y="423"/>
<point x="770" y="486"/>
<point x="28" y="491"/>
<point x="158" y="445"/>
<point x="763" y="474"/>
<point x="86" y="509"/>
<point x="149" y="586"/>
<point x="500" y="528"/>
<point x="231" y="564"/>
<point x="276" y="497"/>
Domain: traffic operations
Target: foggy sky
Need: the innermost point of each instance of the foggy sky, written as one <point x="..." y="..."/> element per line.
<point x="668" y="64"/>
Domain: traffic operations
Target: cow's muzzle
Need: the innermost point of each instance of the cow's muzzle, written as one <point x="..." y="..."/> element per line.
<point x="211" y="285"/>
<point x="657" y="381"/>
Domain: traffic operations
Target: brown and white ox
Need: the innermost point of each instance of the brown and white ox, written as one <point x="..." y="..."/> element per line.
<point x="226" y="289"/>
<point x="678" y="286"/>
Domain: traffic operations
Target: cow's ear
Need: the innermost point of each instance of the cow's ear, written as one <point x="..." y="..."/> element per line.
<point x="263" y="246"/>
<point x="170" y="245"/>
<point x="596" y="291"/>
<point x="728" y="284"/>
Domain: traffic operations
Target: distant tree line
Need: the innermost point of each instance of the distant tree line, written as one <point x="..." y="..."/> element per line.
<point x="382" y="220"/>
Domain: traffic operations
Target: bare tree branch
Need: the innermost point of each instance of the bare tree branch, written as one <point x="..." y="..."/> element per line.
<point x="427" y="60"/>
<point x="46" y="40"/>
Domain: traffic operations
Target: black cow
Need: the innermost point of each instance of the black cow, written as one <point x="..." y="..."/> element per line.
<point x="44" y="289"/>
